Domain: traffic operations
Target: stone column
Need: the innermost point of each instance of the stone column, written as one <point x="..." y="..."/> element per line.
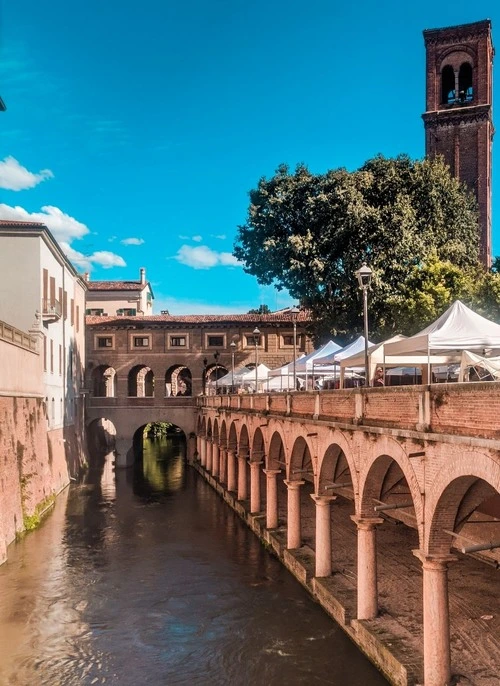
<point x="222" y="464"/>
<point x="367" y="566"/>
<point x="203" y="452"/>
<point x="323" y="534"/>
<point x="254" y="486"/>
<point x="242" y="477"/>
<point x="210" y="445"/>
<point x="437" y="668"/>
<point x="215" y="459"/>
<point x="231" y="471"/>
<point x="198" y="446"/>
<point x="293" y="514"/>
<point x="272" y="498"/>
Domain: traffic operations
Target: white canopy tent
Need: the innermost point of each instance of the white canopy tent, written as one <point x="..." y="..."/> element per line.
<point x="457" y="329"/>
<point x="248" y="379"/>
<point x="377" y="356"/>
<point x="286" y="369"/>
<point x="329" y="364"/>
<point x="484" y="368"/>
<point x="227" y="379"/>
<point x="305" y="364"/>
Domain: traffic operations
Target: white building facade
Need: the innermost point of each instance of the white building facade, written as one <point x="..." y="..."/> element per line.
<point x="42" y="293"/>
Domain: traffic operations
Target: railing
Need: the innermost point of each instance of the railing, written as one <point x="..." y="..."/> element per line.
<point x="125" y="402"/>
<point x="17" y="337"/>
<point x="51" y="309"/>
<point x="464" y="409"/>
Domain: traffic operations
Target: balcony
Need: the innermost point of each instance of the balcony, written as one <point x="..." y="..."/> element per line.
<point x="51" y="310"/>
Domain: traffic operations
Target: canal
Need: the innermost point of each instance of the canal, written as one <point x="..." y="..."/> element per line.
<point x="146" y="576"/>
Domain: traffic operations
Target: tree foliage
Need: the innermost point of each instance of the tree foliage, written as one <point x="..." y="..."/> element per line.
<point x="262" y="309"/>
<point x="309" y="233"/>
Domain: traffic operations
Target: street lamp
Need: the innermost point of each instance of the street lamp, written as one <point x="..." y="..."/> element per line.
<point x="294" y="313"/>
<point x="204" y="380"/>
<point x="216" y="358"/>
<point x="233" y="350"/>
<point x="364" y="276"/>
<point x="256" y="339"/>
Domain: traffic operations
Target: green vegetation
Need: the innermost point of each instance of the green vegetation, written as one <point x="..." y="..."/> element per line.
<point x="262" y="309"/>
<point x="158" y="429"/>
<point x="411" y="221"/>
<point x="32" y="521"/>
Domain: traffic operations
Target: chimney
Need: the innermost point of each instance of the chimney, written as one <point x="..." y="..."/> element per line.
<point x="142" y="272"/>
<point x="86" y="277"/>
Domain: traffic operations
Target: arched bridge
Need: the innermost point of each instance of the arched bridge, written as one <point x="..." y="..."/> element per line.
<point x="318" y="467"/>
<point x="128" y="414"/>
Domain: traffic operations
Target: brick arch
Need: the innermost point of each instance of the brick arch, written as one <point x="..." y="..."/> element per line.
<point x="336" y="458"/>
<point x="209" y="428"/>
<point x="232" y="441"/>
<point x="300" y="460"/>
<point x="384" y="453"/>
<point x="258" y="451"/>
<point x="201" y="425"/>
<point x="276" y="452"/>
<point x="455" y="56"/>
<point x="215" y="430"/>
<point x="244" y="439"/>
<point x="448" y="491"/>
<point x="223" y="435"/>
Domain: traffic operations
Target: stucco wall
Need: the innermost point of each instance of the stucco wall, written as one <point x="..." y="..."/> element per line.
<point x="33" y="464"/>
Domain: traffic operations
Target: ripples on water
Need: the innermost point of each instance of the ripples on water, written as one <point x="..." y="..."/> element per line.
<point x="150" y="578"/>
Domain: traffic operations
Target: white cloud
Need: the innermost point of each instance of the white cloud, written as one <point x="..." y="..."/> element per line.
<point x="202" y="257"/>
<point x="228" y="260"/>
<point x="62" y="225"/>
<point x="85" y="262"/>
<point x="132" y="241"/>
<point x="107" y="259"/>
<point x="220" y="236"/>
<point x="15" y="177"/>
<point x="196" y="239"/>
<point x="65" y="229"/>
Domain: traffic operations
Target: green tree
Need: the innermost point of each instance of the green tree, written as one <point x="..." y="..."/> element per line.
<point x="309" y="233"/>
<point x="262" y="309"/>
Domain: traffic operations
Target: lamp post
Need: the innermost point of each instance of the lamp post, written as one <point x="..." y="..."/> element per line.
<point x="204" y="380"/>
<point x="294" y="313"/>
<point x="216" y="358"/>
<point x="233" y="350"/>
<point x="256" y="339"/>
<point x="364" y="276"/>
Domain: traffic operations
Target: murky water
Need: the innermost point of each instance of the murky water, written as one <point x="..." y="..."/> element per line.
<point x="150" y="578"/>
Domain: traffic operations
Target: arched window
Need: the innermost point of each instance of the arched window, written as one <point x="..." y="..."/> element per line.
<point x="103" y="381"/>
<point x="447" y="85"/>
<point x="141" y="382"/>
<point x="465" y="90"/>
<point x="178" y="381"/>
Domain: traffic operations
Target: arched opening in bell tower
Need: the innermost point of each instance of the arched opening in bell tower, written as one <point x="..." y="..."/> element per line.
<point x="447" y="85"/>
<point x="465" y="90"/>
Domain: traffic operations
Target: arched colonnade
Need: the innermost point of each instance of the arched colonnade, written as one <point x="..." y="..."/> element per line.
<point x="271" y="463"/>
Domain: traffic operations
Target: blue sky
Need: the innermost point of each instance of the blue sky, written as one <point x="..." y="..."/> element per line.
<point x="136" y="129"/>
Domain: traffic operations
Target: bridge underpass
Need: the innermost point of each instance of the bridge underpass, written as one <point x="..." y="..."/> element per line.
<point x="306" y="471"/>
<point x="127" y="415"/>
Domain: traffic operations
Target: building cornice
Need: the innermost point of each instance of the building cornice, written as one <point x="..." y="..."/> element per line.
<point x="458" y="34"/>
<point x="457" y="116"/>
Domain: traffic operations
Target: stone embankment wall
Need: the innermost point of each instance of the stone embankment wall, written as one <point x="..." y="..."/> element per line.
<point x="33" y="460"/>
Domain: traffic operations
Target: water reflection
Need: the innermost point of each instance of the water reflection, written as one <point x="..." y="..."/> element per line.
<point x="162" y="468"/>
<point x="147" y="576"/>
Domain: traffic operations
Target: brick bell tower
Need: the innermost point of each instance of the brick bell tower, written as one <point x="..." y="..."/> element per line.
<point x="458" y="118"/>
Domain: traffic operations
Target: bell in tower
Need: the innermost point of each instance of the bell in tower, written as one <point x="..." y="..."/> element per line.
<point x="458" y="118"/>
